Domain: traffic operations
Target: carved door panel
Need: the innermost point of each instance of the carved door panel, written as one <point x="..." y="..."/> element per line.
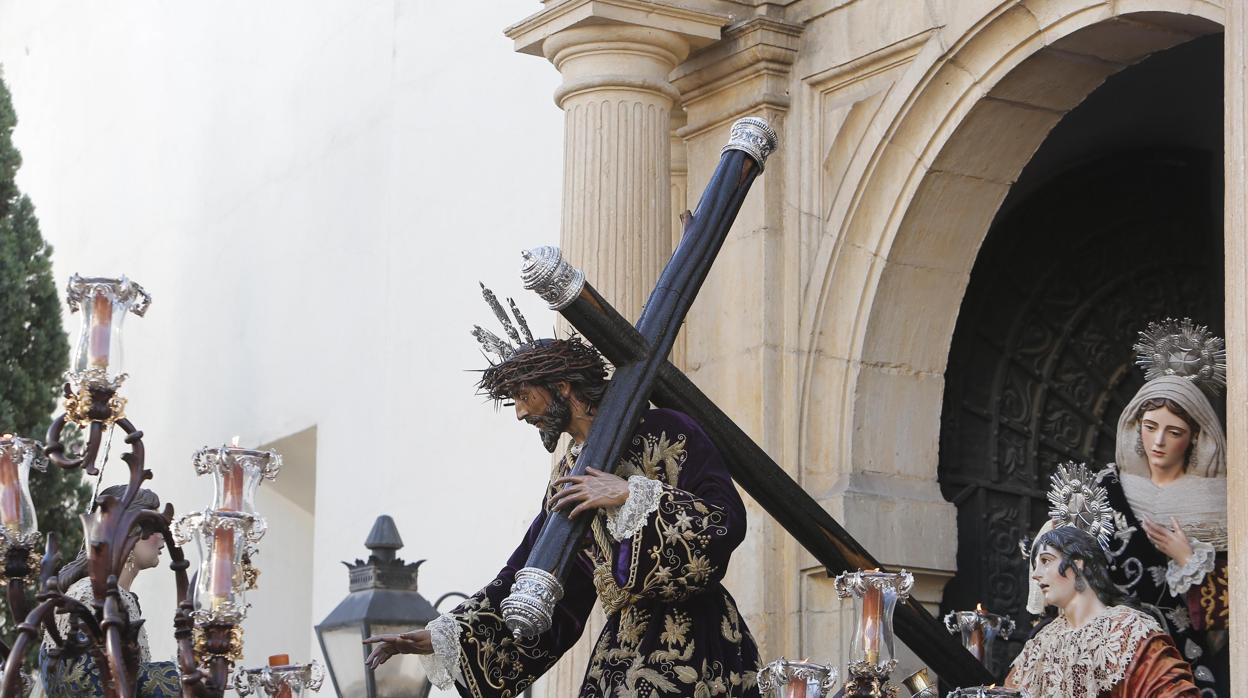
<point x="1041" y="366"/>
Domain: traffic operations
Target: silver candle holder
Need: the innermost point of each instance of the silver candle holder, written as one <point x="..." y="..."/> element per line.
<point x="280" y="681"/>
<point x="985" y="692"/>
<point x="872" y="657"/>
<point x="979" y="630"/>
<point x="787" y="679"/>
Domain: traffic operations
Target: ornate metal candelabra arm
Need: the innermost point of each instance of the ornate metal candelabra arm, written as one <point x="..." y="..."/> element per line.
<point x="866" y="680"/>
<point x="93" y="409"/>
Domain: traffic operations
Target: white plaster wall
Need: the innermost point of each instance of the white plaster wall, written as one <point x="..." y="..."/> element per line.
<point x="310" y="190"/>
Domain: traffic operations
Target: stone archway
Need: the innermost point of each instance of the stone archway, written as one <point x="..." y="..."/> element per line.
<point x="957" y="130"/>
<point x="1041" y="364"/>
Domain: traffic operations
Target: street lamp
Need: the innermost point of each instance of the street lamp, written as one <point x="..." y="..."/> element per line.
<point x="383" y="600"/>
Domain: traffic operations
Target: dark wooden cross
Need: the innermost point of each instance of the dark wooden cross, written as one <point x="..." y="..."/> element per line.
<point x="643" y="374"/>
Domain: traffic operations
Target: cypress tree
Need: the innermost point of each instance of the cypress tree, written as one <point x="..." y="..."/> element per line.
<point x="34" y="353"/>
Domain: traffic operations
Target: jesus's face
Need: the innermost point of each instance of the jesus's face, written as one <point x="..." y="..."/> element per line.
<point x="549" y="411"/>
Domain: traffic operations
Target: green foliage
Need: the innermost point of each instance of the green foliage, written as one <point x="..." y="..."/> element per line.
<point x="34" y="353"/>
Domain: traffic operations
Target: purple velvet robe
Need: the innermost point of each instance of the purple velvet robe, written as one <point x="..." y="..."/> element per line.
<point x="672" y="628"/>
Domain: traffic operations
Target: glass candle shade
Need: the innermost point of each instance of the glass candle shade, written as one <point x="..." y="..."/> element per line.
<point x="875" y="596"/>
<point x="236" y="473"/>
<point x="18" y="522"/>
<point x="103" y="304"/>
<point x="785" y="679"/>
<point x="979" y="629"/>
<point x="221" y="584"/>
<point x="280" y="680"/>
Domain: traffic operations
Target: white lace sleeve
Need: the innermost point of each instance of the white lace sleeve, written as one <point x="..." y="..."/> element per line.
<point x="643" y="498"/>
<point x="1181" y="578"/>
<point x="79" y="591"/>
<point x="442" y="667"/>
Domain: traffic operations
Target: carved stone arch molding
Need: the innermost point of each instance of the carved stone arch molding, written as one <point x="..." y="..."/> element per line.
<point x="886" y="282"/>
<point x="1041" y="365"/>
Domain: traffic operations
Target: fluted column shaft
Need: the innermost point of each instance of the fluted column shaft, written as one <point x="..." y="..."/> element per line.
<point x="617" y="105"/>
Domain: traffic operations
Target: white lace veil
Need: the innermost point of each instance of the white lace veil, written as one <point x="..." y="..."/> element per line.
<point x="1209" y="456"/>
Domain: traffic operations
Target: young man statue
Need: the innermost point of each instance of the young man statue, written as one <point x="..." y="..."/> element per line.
<point x="663" y="530"/>
<point x="1098" y="646"/>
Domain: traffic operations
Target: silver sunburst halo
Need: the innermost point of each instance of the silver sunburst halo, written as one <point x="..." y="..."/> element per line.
<point x="1182" y="348"/>
<point x="1076" y="500"/>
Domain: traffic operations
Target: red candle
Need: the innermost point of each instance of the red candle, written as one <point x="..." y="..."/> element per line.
<point x="101" y="325"/>
<point x="872" y="609"/>
<point x="10" y="492"/>
<point x="283" y="689"/>
<point x="222" y="565"/>
<point x="977" y="633"/>
<point x="232" y="482"/>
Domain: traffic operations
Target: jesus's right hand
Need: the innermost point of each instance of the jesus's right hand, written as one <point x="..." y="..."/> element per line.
<point x="411" y="642"/>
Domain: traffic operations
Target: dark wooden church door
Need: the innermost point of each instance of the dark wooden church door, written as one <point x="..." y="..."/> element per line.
<point x="1041" y="365"/>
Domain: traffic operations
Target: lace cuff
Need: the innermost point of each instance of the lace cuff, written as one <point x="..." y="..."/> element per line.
<point x="643" y="498"/>
<point x="1201" y="563"/>
<point x="442" y="667"/>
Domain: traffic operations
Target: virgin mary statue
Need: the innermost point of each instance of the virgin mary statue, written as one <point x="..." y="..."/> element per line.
<point x="1168" y="487"/>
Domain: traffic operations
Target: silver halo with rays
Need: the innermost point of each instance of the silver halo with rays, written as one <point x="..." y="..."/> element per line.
<point x="496" y="348"/>
<point x="1076" y="500"/>
<point x="1182" y="348"/>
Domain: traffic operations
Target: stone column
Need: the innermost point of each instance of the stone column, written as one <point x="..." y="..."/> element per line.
<point x="616" y="179"/>
<point x="615" y="57"/>
<point x="1236" y="248"/>
<point x="680" y="204"/>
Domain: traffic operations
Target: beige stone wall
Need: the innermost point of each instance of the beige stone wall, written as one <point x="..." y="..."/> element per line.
<point x="824" y="328"/>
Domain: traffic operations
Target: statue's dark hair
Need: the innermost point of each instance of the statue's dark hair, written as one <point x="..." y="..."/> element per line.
<point x="77" y="568"/>
<point x="545" y="363"/>
<point x="1072" y="543"/>
<point x="1177" y="410"/>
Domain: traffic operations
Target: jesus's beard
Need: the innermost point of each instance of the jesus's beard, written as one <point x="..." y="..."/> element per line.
<point x="554" y="421"/>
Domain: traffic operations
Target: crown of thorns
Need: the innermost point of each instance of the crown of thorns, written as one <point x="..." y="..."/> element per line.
<point x="530" y="360"/>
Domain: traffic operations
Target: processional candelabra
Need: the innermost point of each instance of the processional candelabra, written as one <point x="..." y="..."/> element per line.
<point x="207" y="621"/>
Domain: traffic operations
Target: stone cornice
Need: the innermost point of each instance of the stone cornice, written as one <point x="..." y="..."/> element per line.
<point x="698" y="28"/>
<point x="758" y="52"/>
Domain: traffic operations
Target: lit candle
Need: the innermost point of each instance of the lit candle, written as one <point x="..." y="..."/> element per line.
<point x="10" y="491"/>
<point x="977" y="633"/>
<point x="232" y="482"/>
<point x="797" y="686"/>
<point x="222" y="566"/>
<point x="872" y="609"/>
<point x="101" y="326"/>
<point x="283" y="688"/>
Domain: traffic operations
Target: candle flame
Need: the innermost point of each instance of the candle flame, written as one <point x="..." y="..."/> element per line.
<point x="234" y="441"/>
<point x="979" y="608"/>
